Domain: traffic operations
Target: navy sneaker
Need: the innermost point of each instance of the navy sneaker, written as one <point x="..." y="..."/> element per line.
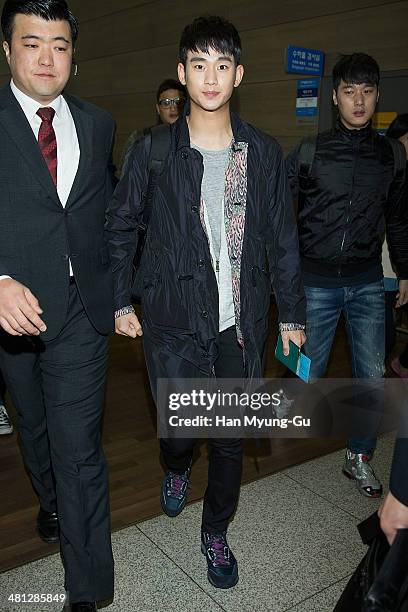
<point x="173" y="494"/>
<point x="221" y="563"/>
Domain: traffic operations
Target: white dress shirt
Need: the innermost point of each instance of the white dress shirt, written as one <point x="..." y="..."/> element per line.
<point x="65" y="132"/>
<point x="67" y="140"/>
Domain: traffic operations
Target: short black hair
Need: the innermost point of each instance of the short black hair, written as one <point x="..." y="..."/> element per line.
<point x="398" y="127"/>
<point x="210" y="32"/>
<point x="355" y="69"/>
<point x="170" y="84"/>
<point x="50" y="10"/>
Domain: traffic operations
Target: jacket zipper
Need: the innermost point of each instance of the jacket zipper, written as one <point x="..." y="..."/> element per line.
<point x="344" y="233"/>
<point x="356" y="151"/>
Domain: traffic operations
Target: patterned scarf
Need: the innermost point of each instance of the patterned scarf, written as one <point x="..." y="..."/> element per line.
<point x="235" y="198"/>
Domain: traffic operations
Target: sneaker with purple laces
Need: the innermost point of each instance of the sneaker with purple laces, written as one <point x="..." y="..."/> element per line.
<point x="173" y="494"/>
<point x="221" y="563"/>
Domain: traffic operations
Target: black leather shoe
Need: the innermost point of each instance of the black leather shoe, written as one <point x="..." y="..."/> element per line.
<point x="83" y="606"/>
<point x="47" y="526"/>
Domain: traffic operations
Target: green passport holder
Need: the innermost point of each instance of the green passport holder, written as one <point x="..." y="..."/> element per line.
<point x="296" y="361"/>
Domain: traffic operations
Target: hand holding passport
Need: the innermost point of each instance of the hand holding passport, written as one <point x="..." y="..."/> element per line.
<point x="296" y="361"/>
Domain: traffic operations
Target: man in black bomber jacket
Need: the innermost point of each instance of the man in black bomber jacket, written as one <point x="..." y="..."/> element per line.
<point x="348" y="200"/>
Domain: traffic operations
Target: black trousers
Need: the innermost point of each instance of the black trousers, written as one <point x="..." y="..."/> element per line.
<point x="225" y="455"/>
<point x="58" y="389"/>
<point x="2" y="389"/>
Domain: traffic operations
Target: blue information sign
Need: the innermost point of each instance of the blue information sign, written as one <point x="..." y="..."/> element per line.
<point x="307" y="97"/>
<point x="300" y="60"/>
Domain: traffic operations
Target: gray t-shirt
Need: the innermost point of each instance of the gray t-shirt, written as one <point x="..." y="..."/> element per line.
<point x="212" y="190"/>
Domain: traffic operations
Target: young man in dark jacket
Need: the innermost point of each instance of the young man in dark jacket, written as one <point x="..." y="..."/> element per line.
<point x="222" y="200"/>
<point x="347" y="200"/>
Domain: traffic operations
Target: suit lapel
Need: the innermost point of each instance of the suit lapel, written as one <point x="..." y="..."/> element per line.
<point x="84" y="125"/>
<point x="15" y="123"/>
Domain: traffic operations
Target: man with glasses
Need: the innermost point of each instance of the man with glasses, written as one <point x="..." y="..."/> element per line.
<point x="170" y="99"/>
<point x="171" y="96"/>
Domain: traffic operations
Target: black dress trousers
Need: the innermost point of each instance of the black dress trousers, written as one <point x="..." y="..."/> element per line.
<point x="58" y="389"/>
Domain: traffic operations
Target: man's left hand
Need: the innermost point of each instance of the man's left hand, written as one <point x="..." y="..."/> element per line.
<point x="393" y="515"/>
<point x="402" y="295"/>
<point x="298" y="337"/>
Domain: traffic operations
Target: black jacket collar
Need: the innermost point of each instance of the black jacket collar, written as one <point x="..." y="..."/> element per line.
<point x="362" y="134"/>
<point x="182" y="135"/>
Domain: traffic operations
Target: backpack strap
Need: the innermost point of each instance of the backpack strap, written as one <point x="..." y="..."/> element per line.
<point x="400" y="159"/>
<point x="159" y="149"/>
<point x="306" y="156"/>
<point x="160" y="146"/>
<point x="157" y="142"/>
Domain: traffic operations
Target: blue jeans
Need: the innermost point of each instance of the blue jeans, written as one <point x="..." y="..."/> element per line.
<point x="364" y="311"/>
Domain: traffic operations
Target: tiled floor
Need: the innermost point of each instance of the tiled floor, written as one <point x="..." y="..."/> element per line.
<point x="294" y="535"/>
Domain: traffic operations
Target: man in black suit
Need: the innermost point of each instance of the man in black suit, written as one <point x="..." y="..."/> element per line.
<point x="56" y="305"/>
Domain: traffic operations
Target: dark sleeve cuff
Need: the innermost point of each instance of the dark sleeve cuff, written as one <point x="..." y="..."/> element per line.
<point x="402" y="272"/>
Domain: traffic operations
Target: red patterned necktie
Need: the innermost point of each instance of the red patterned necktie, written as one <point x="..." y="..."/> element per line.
<point x="47" y="140"/>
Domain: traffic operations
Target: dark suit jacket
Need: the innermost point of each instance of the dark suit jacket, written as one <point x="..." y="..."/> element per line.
<point x="38" y="235"/>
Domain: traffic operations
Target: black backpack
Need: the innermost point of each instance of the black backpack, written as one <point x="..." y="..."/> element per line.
<point x="159" y="149"/>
